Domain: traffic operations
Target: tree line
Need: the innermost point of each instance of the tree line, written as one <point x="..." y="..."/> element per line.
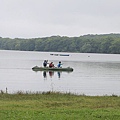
<point x="106" y="43"/>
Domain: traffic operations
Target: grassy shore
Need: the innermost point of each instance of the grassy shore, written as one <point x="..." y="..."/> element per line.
<point x="58" y="106"/>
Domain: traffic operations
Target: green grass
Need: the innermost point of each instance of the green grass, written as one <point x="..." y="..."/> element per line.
<point x="58" y="106"/>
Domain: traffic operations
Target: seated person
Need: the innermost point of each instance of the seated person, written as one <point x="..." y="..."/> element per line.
<point x="59" y="64"/>
<point x="45" y="63"/>
<point x="51" y="65"/>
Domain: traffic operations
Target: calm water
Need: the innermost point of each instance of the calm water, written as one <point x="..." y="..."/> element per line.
<point x="94" y="74"/>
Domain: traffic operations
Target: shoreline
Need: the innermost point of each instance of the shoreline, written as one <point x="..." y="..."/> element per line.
<point x="52" y="92"/>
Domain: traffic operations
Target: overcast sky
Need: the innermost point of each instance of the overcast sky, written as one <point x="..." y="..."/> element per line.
<point x="44" y="18"/>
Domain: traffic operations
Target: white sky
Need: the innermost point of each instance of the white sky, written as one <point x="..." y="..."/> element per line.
<point x="44" y="18"/>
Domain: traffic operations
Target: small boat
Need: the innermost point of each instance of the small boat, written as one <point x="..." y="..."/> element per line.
<point x="36" y="68"/>
<point x="60" y="54"/>
<point x="64" y="54"/>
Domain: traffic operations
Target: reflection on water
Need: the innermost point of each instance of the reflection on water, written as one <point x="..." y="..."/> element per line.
<point x="44" y="74"/>
<point x="51" y="74"/>
<point x="59" y="74"/>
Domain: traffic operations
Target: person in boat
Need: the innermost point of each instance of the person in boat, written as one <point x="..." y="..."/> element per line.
<point x="45" y="63"/>
<point x="59" y="64"/>
<point x="51" y="65"/>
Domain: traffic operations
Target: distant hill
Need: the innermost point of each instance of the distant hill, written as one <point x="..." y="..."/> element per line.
<point x="104" y="43"/>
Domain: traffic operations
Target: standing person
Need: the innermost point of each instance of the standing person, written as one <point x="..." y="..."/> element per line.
<point x="45" y="63"/>
<point x="59" y="64"/>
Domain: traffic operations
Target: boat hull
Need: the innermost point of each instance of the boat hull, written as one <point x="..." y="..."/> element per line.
<point x="36" y="68"/>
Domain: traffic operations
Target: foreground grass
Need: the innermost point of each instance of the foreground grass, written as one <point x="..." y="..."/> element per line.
<point x="57" y="106"/>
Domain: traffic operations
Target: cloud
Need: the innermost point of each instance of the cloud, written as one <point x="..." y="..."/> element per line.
<point x="38" y="18"/>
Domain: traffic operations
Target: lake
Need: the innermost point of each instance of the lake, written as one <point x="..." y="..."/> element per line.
<point x="94" y="74"/>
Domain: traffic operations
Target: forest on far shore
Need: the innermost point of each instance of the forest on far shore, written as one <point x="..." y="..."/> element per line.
<point x="104" y="43"/>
